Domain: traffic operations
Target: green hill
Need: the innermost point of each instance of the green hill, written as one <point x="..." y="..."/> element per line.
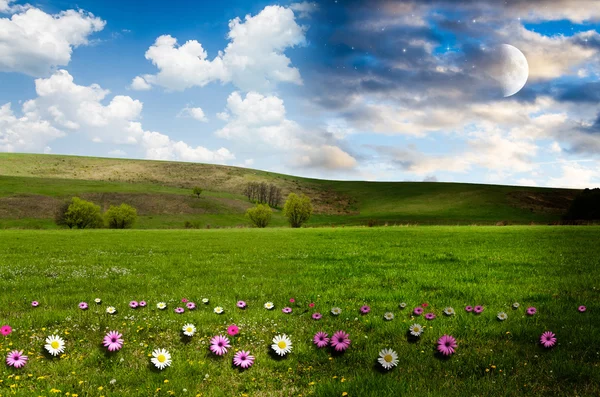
<point x="32" y="186"/>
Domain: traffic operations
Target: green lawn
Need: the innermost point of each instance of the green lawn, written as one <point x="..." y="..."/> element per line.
<point x="554" y="269"/>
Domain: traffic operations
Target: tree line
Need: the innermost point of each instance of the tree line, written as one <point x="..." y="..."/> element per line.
<point x="263" y="193"/>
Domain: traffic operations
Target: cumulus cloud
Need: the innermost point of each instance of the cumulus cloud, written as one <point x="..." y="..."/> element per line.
<point x="195" y="113"/>
<point x="160" y="147"/>
<point x="34" y="42"/>
<point x="254" y="59"/>
<point x="577" y="176"/>
<point x="26" y="133"/>
<point x="139" y="84"/>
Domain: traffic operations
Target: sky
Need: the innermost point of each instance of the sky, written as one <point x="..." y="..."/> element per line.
<point x="379" y="90"/>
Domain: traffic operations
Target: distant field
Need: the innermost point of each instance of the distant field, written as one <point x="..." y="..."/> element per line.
<point x="554" y="269"/>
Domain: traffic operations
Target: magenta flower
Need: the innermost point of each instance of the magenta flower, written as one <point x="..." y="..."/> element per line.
<point x="469" y="309"/>
<point x="292" y="300"/>
<point x="316" y="316"/>
<point x="581" y="308"/>
<point x="143" y="303"/>
<point x="113" y="341"/>
<point x="243" y="359"/>
<point x="219" y="345"/>
<point x="133" y="304"/>
<point x="418" y="311"/>
<point x="311" y="305"/>
<point x="233" y="330"/>
<point x="446" y="345"/>
<point x="179" y="310"/>
<point x="531" y="311"/>
<point x="83" y="306"/>
<point x="287" y="310"/>
<point x="548" y="339"/>
<point x="241" y="304"/>
<point x="321" y="339"/>
<point x="183" y="300"/>
<point x="430" y="316"/>
<point x="340" y="341"/>
<point x="424" y="304"/>
<point x="16" y="359"/>
<point x="35" y="303"/>
<point x="5" y="330"/>
<point x="365" y="309"/>
<point x="190" y="305"/>
<point x="478" y="309"/>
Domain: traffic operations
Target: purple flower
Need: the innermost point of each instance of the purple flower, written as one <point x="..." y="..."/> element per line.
<point x="35" y="303"/>
<point x="83" y="305"/>
<point x="113" y="341"/>
<point x="478" y="309"/>
<point x="531" y="311"/>
<point x="581" y="308"/>
<point x="316" y="316"/>
<point x="243" y="359"/>
<point x="133" y="304"/>
<point x="287" y="310"/>
<point x="418" y="311"/>
<point x="233" y="330"/>
<point x="190" y="305"/>
<point x="241" y="304"/>
<point x="548" y="339"/>
<point x="430" y="316"/>
<point x="446" y="345"/>
<point x="179" y="310"/>
<point x="143" y="303"/>
<point x="16" y="359"/>
<point x="469" y="309"/>
<point x="365" y="309"/>
<point x="219" y="345"/>
<point x="321" y="339"/>
<point x="340" y="341"/>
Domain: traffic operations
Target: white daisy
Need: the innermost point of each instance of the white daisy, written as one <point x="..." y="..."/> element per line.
<point x="205" y="301"/>
<point x="502" y="316"/>
<point x="449" y="311"/>
<point x="269" y="305"/>
<point x="161" y="305"/>
<point x="516" y="305"/>
<point x="98" y="300"/>
<point x="388" y="316"/>
<point x="416" y="330"/>
<point x="402" y="305"/>
<point x="282" y="344"/>
<point x="161" y="358"/>
<point x="218" y="310"/>
<point x="388" y="358"/>
<point x="55" y="345"/>
<point x="189" y="330"/>
<point x="111" y="310"/>
<point x="336" y="311"/>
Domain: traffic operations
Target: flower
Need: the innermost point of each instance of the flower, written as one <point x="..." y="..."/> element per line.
<point x="5" y="330"/>
<point x="133" y="304"/>
<point x="55" y="345"/>
<point x="269" y="305"/>
<point x="243" y="359"/>
<point x="316" y="316"/>
<point x="282" y="344"/>
<point x="161" y="305"/>
<point x="418" y="311"/>
<point x="219" y="345"/>
<point x="83" y="305"/>
<point x="111" y="310"/>
<point x="388" y="316"/>
<point x="311" y="305"/>
<point x="478" y="309"/>
<point x="184" y="300"/>
<point x="161" y="358"/>
<point x="424" y="304"/>
<point x="548" y="339"/>
<point x="430" y="316"/>
<point x="448" y="311"/>
<point x="516" y="305"/>
<point x="531" y="311"/>
<point x="205" y="301"/>
<point x="218" y="310"/>
<point x="241" y="304"/>
<point x="233" y="330"/>
<point x="287" y="310"/>
<point x="365" y="309"/>
<point x="502" y="316"/>
<point x="581" y="308"/>
<point x="402" y="305"/>
<point x="292" y="300"/>
<point x="143" y="303"/>
<point x="189" y="329"/>
<point x="340" y="341"/>
<point x="321" y="339"/>
<point x="190" y="305"/>
<point x="336" y="311"/>
<point x="16" y="359"/>
<point x="446" y="345"/>
<point x="113" y="341"/>
<point x="468" y="309"/>
<point x="179" y="310"/>
<point x="98" y="301"/>
<point x="416" y="330"/>
<point x="35" y="303"/>
<point x="388" y="358"/>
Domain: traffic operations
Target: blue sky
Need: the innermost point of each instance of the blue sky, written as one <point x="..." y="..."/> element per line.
<point x="348" y="89"/>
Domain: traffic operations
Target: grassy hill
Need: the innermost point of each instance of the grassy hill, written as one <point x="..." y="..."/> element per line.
<point x="32" y="186"/>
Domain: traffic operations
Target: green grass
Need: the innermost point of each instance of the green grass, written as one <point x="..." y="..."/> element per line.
<point x="552" y="268"/>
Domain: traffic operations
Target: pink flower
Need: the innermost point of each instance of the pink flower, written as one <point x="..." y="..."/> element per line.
<point x="143" y="303"/>
<point x="418" y="311"/>
<point x="5" y="330"/>
<point x="83" y="305"/>
<point x="184" y="300"/>
<point x="179" y="310"/>
<point x="424" y="304"/>
<point x="287" y="310"/>
<point x="365" y="309"/>
<point x="581" y="308"/>
<point x="531" y="311"/>
<point x="430" y="316"/>
<point x="133" y="304"/>
<point x="446" y="345"/>
<point x="219" y="345"/>
<point x="292" y="300"/>
<point x="311" y="305"/>
<point x="548" y="339"/>
<point x="241" y="304"/>
<point x="35" y="303"/>
<point x="469" y="309"/>
<point x="243" y="359"/>
<point x="233" y="330"/>
<point x="321" y="339"/>
<point x="190" y="305"/>
<point x="316" y="316"/>
<point x="113" y="341"/>
<point x="478" y="309"/>
<point x="340" y="341"/>
<point x="16" y="359"/>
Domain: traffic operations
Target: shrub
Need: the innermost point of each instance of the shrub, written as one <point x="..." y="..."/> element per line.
<point x="82" y="214"/>
<point x="297" y="209"/>
<point x="586" y="206"/>
<point x="197" y="191"/>
<point x="260" y="216"/>
<point x="60" y="215"/>
<point x="121" y="217"/>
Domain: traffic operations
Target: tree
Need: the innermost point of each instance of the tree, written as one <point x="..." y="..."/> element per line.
<point x="586" y="206"/>
<point x="197" y="191"/>
<point x="261" y="193"/>
<point x="60" y="215"/>
<point x="260" y="216"/>
<point x="82" y="214"/>
<point x="297" y="209"/>
<point x="121" y="217"/>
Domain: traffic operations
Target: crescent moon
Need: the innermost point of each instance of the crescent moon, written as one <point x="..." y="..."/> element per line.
<point x="510" y="69"/>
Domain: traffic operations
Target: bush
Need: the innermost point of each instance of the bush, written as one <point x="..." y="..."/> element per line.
<point x="197" y="191"/>
<point x="82" y="214"/>
<point x="60" y="215"/>
<point x="260" y="216"/>
<point x="297" y="209"/>
<point x="586" y="206"/>
<point x="121" y="217"/>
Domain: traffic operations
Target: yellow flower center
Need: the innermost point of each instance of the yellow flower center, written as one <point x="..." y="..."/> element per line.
<point x="189" y="329"/>
<point x="161" y="358"/>
<point x="55" y="345"/>
<point x="282" y="344"/>
<point x="388" y="358"/>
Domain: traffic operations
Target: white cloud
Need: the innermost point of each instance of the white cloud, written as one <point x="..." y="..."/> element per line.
<point x="117" y="153"/>
<point x="7" y="8"/>
<point x="160" y="147"/>
<point x="575" y="175"/>
<point x="195" y="113"/>
<point x="254" y="58"/>
<point x="304" y="9"/>
<point x="139" y="84"/>
<point x="224" y="116"/>
<point x="24" y="134"/>
<point x="577" y="11"/>
<point x="34" y="43"/>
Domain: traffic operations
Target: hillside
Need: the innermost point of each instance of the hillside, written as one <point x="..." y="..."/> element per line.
<point x="32" y="186"/>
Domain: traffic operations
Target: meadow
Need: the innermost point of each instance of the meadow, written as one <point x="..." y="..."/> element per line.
<point x="554" y="269"/>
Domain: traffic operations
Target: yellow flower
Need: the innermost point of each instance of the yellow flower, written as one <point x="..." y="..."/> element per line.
<point x="311" y="384"/>
<point x="166" y="381"/>
<point x="344" y="394"/>
<point x="101" y="388"/>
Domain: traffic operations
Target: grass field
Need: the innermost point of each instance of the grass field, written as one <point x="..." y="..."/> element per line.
<point x="554" y="269"/>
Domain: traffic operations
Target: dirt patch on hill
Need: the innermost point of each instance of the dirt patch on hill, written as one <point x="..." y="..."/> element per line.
<point x="550" y="202"/>
<point x="28" y="206"/>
